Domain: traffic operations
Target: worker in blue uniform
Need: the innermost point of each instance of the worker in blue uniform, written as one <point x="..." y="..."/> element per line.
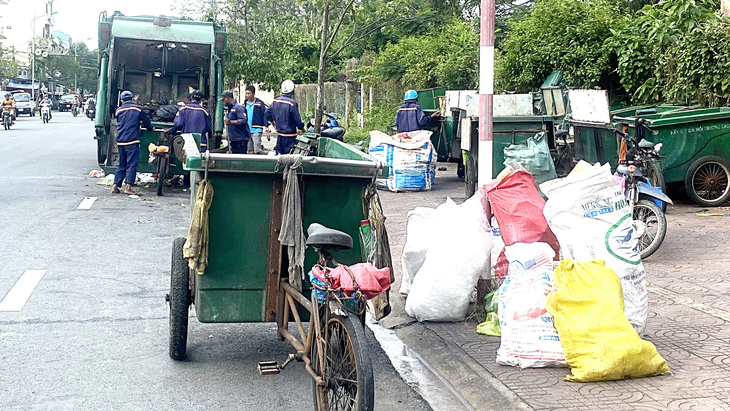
<point x="237" y="122"/>
<point x="194" y="118"/>
<point x="410" y="116"/>
<point x="129" y="117"/>
<point x="284" y="114"/>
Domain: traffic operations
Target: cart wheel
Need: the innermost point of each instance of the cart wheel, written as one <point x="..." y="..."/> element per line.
<point x="179" y="301"/>
<point x="656" y="178"/>
<point x="471" y="177"/>
<point x="349" y="372"/>
<point x="650" y="224"/>
<point x="708" y="181"/>
<point x="161" y="173"/>
<point x="460" y="170"/>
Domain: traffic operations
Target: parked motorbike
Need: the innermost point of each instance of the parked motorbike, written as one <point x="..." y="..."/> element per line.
<point x="45" y="112"/>
<point x="645" y="200"/>
<point x="7" y="119"/>
<point x="330" y="128"/>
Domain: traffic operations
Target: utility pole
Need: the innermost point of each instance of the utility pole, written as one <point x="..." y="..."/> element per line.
<point x="486" y="91"/>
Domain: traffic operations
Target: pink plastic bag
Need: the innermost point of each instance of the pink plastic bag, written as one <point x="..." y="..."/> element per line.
<point x="517" y="205"/>
<point x="370" y="280"/>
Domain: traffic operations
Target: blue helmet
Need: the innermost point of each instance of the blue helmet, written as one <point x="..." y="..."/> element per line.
<point x="126" y="95"/>
<point x="410" y="95"/>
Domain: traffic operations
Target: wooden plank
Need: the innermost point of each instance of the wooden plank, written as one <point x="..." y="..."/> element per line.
<point x="273" y="269"/>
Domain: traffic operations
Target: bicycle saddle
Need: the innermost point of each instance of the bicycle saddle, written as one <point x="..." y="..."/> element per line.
<point x="323" y="237"/>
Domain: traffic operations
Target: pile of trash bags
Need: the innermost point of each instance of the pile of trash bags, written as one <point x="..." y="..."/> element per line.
<point x="572" y="287"/>
<point x="410" y="157"/>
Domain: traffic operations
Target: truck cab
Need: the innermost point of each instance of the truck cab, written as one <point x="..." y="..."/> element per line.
<point x="160" y="60"/>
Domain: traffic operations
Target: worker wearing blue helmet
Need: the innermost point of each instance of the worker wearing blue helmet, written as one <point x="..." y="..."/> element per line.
<point x="410" y="116"/>
<point x="129" y="116"/>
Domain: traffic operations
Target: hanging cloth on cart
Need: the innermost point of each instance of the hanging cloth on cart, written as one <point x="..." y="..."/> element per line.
<point x="196" y="246"/>
<point x="292" y="231"/>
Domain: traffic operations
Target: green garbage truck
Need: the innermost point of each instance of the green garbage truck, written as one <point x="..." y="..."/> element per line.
<point x="161" y="60"/>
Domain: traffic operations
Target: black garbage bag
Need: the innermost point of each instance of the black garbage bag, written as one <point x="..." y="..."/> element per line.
<point x="165" y="113"/>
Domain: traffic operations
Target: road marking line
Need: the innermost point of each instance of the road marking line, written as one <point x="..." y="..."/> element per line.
<point x="687" y="301"/>
<point x="16" y="298"/>
<point x="14" y="138"/>
<point x="86" y="203"/>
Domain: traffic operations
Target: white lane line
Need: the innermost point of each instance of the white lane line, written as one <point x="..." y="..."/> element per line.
<point x="21" y="291"/>
<point x="86" y="203"/>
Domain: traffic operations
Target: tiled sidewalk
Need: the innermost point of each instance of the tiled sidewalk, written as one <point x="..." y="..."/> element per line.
<point x="689" y="321"/>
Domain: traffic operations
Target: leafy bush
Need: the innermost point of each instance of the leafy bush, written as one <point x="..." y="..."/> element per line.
<point x="564" y="35"/>
<point x="382" y="116"/>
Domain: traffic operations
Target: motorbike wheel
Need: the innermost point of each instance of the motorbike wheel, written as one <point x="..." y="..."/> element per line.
<point x="650" y="224"/>
<point x="161" y="173"/>
<point x="656" y="177"/>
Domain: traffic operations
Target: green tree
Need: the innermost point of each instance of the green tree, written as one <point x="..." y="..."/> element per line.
<point x="564" y="35"/>
<point x="8" y="63"/>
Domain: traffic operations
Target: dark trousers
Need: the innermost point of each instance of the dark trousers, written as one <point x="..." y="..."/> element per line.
<point x="284" y="144"/>
<point x="128" y="161"/>
<point x="239" y="147"/>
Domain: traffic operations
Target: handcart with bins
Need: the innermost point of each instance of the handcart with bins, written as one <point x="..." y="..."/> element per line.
<point x="247" y="279"/>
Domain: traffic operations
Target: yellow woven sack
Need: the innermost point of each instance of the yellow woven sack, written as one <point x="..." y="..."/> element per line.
<point x="599" y="343"/>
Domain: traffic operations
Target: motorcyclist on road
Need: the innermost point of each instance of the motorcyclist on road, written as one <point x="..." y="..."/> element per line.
<point x="47" y="101"/>
<point x="9" y="105"/>
<point x="410" y="116"/>
<point x="75" y="104"/>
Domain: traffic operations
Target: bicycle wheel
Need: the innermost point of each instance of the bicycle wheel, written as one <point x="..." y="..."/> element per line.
<point x="348" y="374"/>
<point x="651" y="227"/>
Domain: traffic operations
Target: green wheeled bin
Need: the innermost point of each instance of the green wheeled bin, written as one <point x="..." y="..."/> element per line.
<point x="247" y="280"/>
<point x="695" y="149"/>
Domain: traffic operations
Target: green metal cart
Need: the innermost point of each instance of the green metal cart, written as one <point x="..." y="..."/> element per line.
<point x="696" y="149"/>
<point x="246" y="279"/>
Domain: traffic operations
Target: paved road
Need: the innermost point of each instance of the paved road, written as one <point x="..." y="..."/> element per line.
<point x="93" y="334"/>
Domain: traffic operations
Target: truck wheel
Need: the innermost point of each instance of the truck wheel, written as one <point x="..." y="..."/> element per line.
<point x="470" y="174"/>
<point x="179" y="300"/>
<point x="708" y="181"/>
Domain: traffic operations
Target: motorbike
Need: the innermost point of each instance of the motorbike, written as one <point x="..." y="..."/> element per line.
<point x="91" y="113"/>
<point x="45" y="112"/>
<point x="330" y="128"/>
<point x="75" y="110"/>
<point x="645" y="200"/>
<point x="7" y="119"/>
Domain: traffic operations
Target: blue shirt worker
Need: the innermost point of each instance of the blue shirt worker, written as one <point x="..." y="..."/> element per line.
<point x="284" y="114"/>
<point x="256" y="112"/>
<point x="129" y="117"/>
<point x="194" y="118"/>
<point x="410" y="116"/>
<point x="237" y="122"/>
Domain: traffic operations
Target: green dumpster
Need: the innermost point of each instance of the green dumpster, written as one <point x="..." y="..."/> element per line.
<point x="246" y="262"/>
<point x="696" y="149"/>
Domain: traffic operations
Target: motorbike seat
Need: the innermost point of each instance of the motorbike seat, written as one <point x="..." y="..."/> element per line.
<point x="646" y="144"/>
<point x="323" y="237"/>
<point x="334" y="132"/>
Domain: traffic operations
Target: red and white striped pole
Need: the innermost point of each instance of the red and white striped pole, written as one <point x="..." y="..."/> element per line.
<point x="486" y="92"/>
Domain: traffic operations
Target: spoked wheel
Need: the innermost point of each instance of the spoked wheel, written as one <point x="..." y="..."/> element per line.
<point x="348" y="374"/>
<point x="708" y="181"/>
<point x="651" y="227"/>
<point x="179" y="299"/>
<point x="162" y="162"/>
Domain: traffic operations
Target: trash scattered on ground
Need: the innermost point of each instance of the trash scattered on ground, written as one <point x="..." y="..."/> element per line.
<point x="456" y="258"/>
<point x="529" y="338"/>
<point x="491" y="325"/>
<point x="589" y="214"/>
<point x="599" y="342"/>
<point x="713" y="214"/>
<point x="410" y="157"/>
<point x="146" y="178"/>
<point x="107" y="180"/>
<point x="135" y="196"/>
<point x="142" y="222"/>
<point x="96" y="174"/>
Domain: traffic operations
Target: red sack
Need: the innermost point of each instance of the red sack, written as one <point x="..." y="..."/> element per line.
<point x="370" y="280"/>
<point x="517" y="205"/>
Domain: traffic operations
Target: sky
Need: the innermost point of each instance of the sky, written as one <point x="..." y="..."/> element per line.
<point x="77" y="18"/>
